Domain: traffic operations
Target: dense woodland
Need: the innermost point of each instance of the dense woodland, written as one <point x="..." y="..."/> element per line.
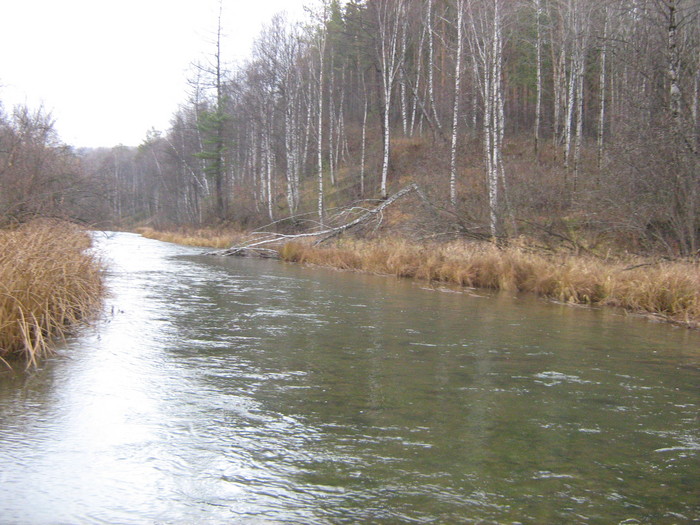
<point x="569" y="118"/>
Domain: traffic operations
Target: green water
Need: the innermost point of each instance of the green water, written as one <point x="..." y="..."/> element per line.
<point x="244" y="391"/>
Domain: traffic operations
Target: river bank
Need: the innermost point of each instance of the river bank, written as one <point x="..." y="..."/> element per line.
<point x="225" y="389"/>
<point x="668" y="290"/>
<point x="50" y="283"/>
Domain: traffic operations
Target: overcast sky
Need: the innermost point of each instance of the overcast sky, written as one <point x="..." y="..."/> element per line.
<point x="111" y="70"/>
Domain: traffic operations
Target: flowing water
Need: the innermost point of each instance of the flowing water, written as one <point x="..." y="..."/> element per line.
<point x="227" y="390"/>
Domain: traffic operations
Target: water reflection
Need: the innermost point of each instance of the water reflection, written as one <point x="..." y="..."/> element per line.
<point x="228" y="389"/>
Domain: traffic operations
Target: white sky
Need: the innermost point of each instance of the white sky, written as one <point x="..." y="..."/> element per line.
<point x="110" y="70"/>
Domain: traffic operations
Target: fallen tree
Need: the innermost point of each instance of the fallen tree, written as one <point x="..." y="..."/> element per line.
<point x="253" y="247"/>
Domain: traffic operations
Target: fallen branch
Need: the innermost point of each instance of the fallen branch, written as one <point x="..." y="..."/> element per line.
<point x="253" y="248"/>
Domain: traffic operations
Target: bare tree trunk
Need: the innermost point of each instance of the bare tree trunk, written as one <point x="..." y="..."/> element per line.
<point x="390" y="19"/>
<point x="270" y="170"/>
<point x="331" y="125"/>
<point x="569" y="123"/>
<point x="290" y="137"/>
<point x="364" y="142"/>
<point x="696" y="97"/>
<point x="475" y="96"/>
<point x="455" y="109"/>
<point x="674" y="64"/>
<point x="321" y="53"/>
<point x="402" y="84"/>
<point x="487" y="47"/>
<point x="343" y="152"/>
<point x="559" y="83"/>
<point x="603" y="91"/>
<point x="431" y="66"/>
<point x="308" y="127"/>
<point x="500" y="111"/>
<point x="538" y="49"/>
<point x="419" y="70"/>
<point x="579" y="119"/>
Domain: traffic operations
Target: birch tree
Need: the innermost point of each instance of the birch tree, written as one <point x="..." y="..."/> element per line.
<point x="390" y="18"/>
<point x="538" y="64"/>
<point x="602" y="88"/>
<point x="455" y="109"/>
<point x="486" y="41"/>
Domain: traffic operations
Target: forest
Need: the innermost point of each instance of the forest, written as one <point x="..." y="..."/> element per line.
<point x="574" y="120"/>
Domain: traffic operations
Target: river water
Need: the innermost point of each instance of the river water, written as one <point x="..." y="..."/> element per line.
<point x="228" y="390"/>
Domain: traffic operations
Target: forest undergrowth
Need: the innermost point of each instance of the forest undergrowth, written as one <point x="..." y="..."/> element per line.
<point x="49" y="283"/>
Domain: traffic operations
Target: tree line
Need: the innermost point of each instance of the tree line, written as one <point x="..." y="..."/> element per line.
<point x="512" y="116"/>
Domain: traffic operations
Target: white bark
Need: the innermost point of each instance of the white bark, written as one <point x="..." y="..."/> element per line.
<point x="331" y="125"/>
<point x="569" y="123"/>
<point x="268" y="179"/>
<point x="289" y="143"/>
<point x="674" y="63"/>
<point x="419" y="69"/>
<point x="696" y="96"/>
<point x="402" y="84"/>
<point x="389" y="17"/>
<point x="431" y="66"/>
<point x="487" y="48"/>
<point x="455" y="109"/>
<point x="321" y="53"/>
<point x="538" y="49"/>
<point x="579" y="119"/>
<point x="364" y="142"/>
<point x="603" y="91"/>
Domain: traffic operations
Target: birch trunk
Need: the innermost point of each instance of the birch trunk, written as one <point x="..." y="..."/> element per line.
<point x="455" y="109"/>
<point x="364" y="142"/>
<point x="389" y="18"/>
<point x="419" y="69"/>
<point x="498" y="114"/>
<point x="431" y="66"/>
<point x="674" y="63"/>
<point x="603" y="92"/>
<point x="402" y="85"/>
<point x="538" y="103"/>
<point x="321" y="52"/>
<point x="268" y="179"/>
<point x="331" y="124"/>
<point x="569" y="123"/>
<point x="579" y="119"/>
<point x="289" y="143"/>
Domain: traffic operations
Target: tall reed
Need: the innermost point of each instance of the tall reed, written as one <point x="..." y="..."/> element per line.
<point x="48" y="283"/>
<point x="203" y="237"/>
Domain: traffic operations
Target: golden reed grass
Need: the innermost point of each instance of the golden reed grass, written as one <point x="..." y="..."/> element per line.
<point x="48" y="283"/>
<point x="202" y="237"/>
<point x="668" y="289"/>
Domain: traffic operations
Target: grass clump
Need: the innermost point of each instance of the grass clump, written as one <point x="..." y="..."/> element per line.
<point x="218" y="238"/>
<point x="48" y="283"/>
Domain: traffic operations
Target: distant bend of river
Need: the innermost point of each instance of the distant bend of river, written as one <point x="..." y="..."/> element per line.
<point x="228" y="390"/>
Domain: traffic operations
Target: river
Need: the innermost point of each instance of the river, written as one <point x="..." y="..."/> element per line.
<point x="229" y="390"/>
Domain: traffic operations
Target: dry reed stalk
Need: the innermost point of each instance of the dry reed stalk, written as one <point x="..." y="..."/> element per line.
<point x="200" y="237"/>
<point x="48" y="283"/>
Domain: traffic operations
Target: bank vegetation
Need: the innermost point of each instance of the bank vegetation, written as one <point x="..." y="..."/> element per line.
<point x="49" y="283"/>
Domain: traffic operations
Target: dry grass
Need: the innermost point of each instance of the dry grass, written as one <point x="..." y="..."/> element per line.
<point x="204" y="237"/>
<point x="671" y="290"/>
<point x="48" y="283"/>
